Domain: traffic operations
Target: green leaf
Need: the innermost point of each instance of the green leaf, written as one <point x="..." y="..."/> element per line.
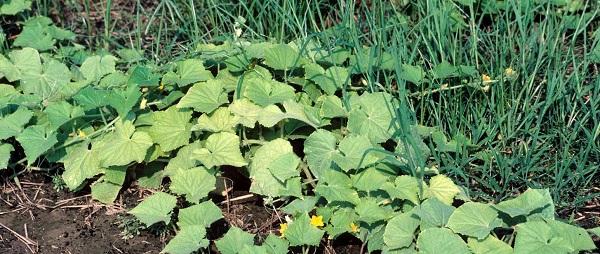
<point x="301" y="205"/>
<point x="36" y="140"/>
<point x="577" y="237"/>
<point x="265" y="92"/>
<point x="204" y="97"/>
<point x="221" y="149"/>
<point x="80" y="163"/>
<point x="281" y="57"/>
<point x="405" y="187"/>
<point x="246" y="111"/>
<point x="595" y="231"/>
<point x="182" y="160"/>
<point x="356" y="153"/>
<point x="414" y="74"/>
<point x="332" y="107"/>
<point x="275" y="245"/>
<point x="171" y="128"/>
<point x="444" y="70"/>
<point x="539" y="237"/>
<point x="474" y="219"/>
<point x="400" y="230"/>
<point x="61" y="112"/>
<point x="531" y="200"/>
<point x="442" y="188"/>
<point x="91" y="98"/>
<point x="12" y="7"/>
<point x="155" y="208"/>
<point x="320" y="149"/>
<point x="301" y="232"/>
<point x="434" y="213"/>
<point x="234" y="240"/>
<point x="329" y="80"/>
<point x="35" y="34"/>
<point x="272" y="114"/>
<point x="489" y="245"/>
<point x="341" y="221"/>
<point x="123" y="146"/>
<point x="123" y="100"/>
<point x="191" y="71"/>
<point x="187" y="240"/>
<point x="221" y="120"/>
<point x="271" y="167"/>
<point x="370" y="212"/>
<point x="440" y="240"/>
<point x="143" y="76"/>
<point x="194" y="183"/>
<point x="203" y="214"/>
<point x="96" y="67"/>
<point x="370" y="179"/>
<point x="13" y="124"/>
<point x="44" y="80"/>
<point x="5" y="151"/>
<point x="105" y="192"/>
<point x="372" y="116"/>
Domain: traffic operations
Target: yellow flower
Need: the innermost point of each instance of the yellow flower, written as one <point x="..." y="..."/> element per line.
<point x="354" y="228"/>
<point x="317" y="221"/>
<point x="486" y="78"/>
<point x="143" y="103"/>
<point x="509" y="72"/>
<point x="282" y="228"/>
<point x="81" y="134"/>
<point x="161" y="87"/>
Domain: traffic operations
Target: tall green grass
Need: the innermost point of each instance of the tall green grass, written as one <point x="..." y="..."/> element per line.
<point x="540" y="129"/>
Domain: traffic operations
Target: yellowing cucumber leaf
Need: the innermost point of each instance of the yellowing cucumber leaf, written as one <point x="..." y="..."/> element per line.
<point x="203" y="214"/>
<point x="123" y="146"/>
<point x="221" y="149"/>
<point x="5" y="150"/>
<point x="194" y="183"/>
<point x="442" y="188"/>
<point x="265" y="92"/>
<point x="171" y="128"/>
<point x="187" y="240"/>
<point x="234" y="241"/>
<point x="36" y="140"/>
<point x="204" y="97"/>
<point x="302" y="232"/>
<point x="489" y="245"/>
<point x="474" y="219"/>
<point x="96" y="67"/>
<point x="12" y="124"/>
<point x="440" y="240"/>
<point x="155" y="208"/>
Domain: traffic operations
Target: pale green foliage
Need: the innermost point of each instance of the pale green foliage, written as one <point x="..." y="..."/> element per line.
<point x="194" y="183"/>
<point x="155" y="208"/>
<point x="221" y="149"/>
